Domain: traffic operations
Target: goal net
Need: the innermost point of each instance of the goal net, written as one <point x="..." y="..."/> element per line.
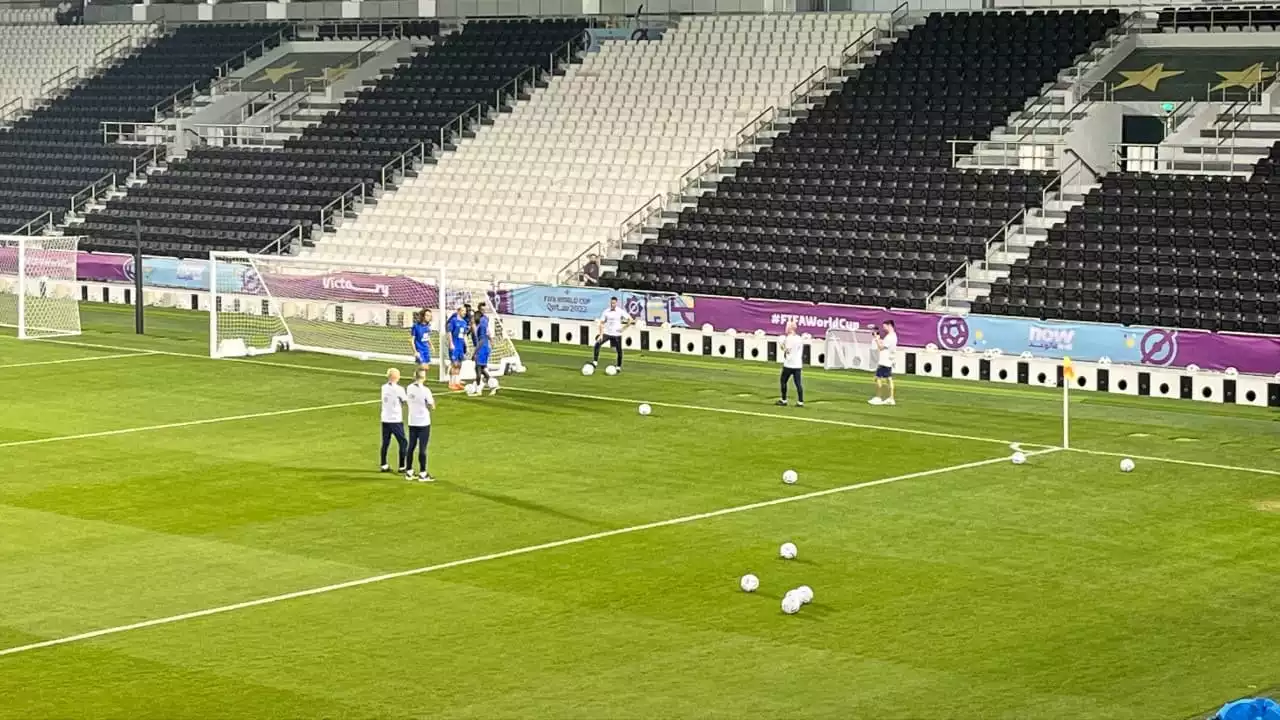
<point x="38" y="293"/>
<point x="267" y="303"/>
<point x="850" y="350"/>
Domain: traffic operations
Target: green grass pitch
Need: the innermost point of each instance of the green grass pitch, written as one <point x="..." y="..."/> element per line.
<point x="577" y="560"/>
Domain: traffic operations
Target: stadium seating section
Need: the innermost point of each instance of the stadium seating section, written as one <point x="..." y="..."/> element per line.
<point x="567" y="166"/>
<point x="858" y="202"/>
<point x="1232" y="17"/>
<point x="1168" y="250"/>
<point x="27" y="16"/>
<point x="33" y="54"/>
<point x="247" y="198"/>
<point x="59" y="150"/>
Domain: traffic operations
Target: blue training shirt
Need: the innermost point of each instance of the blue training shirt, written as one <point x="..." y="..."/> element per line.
<point x="422" y="336"/>
<point x="457" y="328"/>
<point x="482" y="331"/>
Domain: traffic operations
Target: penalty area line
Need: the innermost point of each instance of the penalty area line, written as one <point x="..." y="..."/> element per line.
<point x="188" y="423"/>
<point x="117" y="356"/>
<point x="426" y="569"/>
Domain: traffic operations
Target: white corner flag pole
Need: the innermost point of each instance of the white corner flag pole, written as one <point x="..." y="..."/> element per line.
<point x="1066" y="402"/>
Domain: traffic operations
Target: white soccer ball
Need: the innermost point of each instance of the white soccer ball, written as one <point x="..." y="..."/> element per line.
<point x="749" y="583"/>
<point x="790" y="477"/>
<point x="473" y="388"/>
<point x="1019" y="458"/>
<point x="790" y="604"/>
<point x="588" y="369"/>
<point x="805" y="593"/>
<point x="788" y="551"/>
<point x="1126" y="465"/>
<point x="517" y="369"/>
<point x="645" y="409"/>
<point x="493" y="383"/>
<point x="610" y="370"/>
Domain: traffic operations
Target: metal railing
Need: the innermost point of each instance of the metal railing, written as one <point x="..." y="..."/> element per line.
<point x="1043" y="154"/>
<point x="148" y="157"/>
<point x="41" y="221"/>
<point x="101" y="186"/>
<point x="10" y="111"/>
<point x="55" y="84"/>
<point x="1200" y="15"/>
<point x="344" y="202"/>
<point x="564" y="54"/>
<point x="1140" y="157"/>
<point x="131" y="133"/>
<point x="112" y="51"/>
<point x="276" y="106"/>
<point x="1001" y="236"/>
<point x="850" y="52"/>
<point x="1181" y="113"/>
<point x="286" y="244"/>
<point x="411" y="159"/>
<point x="457" y="126"/>
<point x="528" y="77"/>
<point x="230" y="135"/>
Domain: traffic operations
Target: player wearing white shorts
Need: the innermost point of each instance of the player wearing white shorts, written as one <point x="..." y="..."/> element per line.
<point x="887" y="344"/>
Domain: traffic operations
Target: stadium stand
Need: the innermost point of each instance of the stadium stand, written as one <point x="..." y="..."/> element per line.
<point x="250" y="198"/>
<point x="1158" y="249"/>
<point x="562" y="170"/>
<point x="27" y="16"/>
<point x="1203" y="18"/>
<point x="33" y="55"/>
<point x="858" y="203"/>
<point x="58" y="151"/>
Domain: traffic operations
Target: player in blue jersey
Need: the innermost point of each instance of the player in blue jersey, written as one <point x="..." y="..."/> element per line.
<point x="484" y="342"/>
<point x="422" y="339"/>
<point x="458" y="328"/>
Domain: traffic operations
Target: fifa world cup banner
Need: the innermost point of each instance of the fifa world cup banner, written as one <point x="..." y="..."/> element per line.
<point x="915" y="329"/>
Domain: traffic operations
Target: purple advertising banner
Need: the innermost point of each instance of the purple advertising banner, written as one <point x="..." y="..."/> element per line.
<point x="914" y="329"/>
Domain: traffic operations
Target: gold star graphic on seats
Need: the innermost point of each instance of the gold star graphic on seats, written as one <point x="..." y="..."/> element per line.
<point x="1148" y="78"/>
<point x="276" y="74"/>
<point x="1246" y="78"/>
<point x="334" y="74"/>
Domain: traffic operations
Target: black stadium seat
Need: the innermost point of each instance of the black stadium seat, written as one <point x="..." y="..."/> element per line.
<point x="858" y="203"/>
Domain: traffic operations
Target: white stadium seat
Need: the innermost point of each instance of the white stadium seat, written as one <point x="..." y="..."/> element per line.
<point x="565" y="168"/>
<point x="33" y="54"/>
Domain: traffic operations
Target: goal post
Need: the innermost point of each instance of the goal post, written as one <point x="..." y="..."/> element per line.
<point x="848" y="349"/>
<point x="271" y="303"/>
<point x="38" y="292"/>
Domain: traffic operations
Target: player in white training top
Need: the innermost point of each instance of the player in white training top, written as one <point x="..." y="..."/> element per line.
<point x="421" y="402"/>
<point x="609" y="330"/>
<point x="393" y="399"/>
<point x="887" y="344"/>
<point x="792" y="364"/>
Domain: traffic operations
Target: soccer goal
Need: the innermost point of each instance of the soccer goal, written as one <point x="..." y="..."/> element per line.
<point x="850" y="350"/>
<point x="269" y="303"/>
<point x="38" y="293"/>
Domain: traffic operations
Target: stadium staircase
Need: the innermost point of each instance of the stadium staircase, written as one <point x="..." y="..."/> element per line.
<point x="54" y="160"/>
<point x="276" y="200"/>
<point x="555" y="177"/>
<point x="859" y="203"/>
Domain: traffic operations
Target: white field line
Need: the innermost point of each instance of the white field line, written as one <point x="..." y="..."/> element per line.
<point x="189" y="423"/>
<point x="793" y="416"/>
<point x="602" y="398"/>
<point x="498" y="555"/>
<point x="138" y="353"/>
<point x="800" y="418"/>
<point x="1193" y="463"/>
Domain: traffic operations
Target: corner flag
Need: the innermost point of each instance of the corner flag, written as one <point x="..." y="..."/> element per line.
<point x="1068" y="375"/>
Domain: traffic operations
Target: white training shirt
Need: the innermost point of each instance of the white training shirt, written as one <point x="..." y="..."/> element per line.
<point x="888" y="345"/>
<point x="613" y="321"/>
<point x="420" y="402"/>
<point x="793" y="352"/>
<point x="392" y="397"/>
